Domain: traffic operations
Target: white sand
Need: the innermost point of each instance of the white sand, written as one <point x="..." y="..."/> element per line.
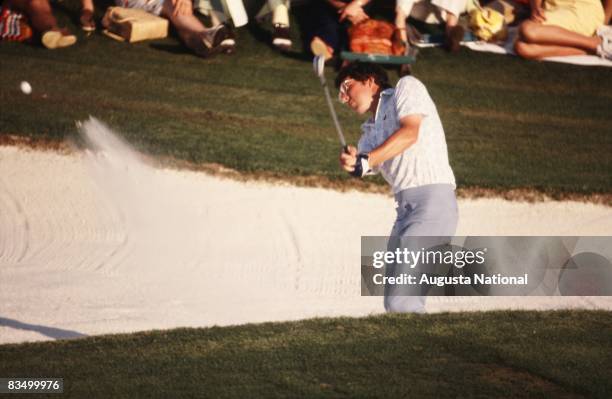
<point x="95" y="243"/>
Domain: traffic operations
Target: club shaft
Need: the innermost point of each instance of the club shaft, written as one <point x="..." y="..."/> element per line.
<point x="333" y="113"/>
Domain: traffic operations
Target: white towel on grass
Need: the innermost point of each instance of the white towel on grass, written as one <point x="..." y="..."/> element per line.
<point x="507" y="48"/>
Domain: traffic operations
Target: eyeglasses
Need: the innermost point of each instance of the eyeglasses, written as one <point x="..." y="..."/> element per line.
<point x="344" y="88"/>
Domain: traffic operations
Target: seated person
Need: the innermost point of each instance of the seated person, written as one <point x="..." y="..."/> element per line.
<point x="279" y="9"/>
<point x="281" y="38"/>
<point x="514" y="11"/>
<point x="566" y="27"/>
<point x="327" y="23"/>
<point x="86" y="19"/>
<point x="445" y="10"/>
<point x="44" y="23"/>
<point x="203" y="41"/>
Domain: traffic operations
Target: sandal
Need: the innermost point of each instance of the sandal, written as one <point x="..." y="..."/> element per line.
<point x="319" y="47"/>
<point x="56" y="38"/>
<point x="209" y="42"/>
<point x="87" y="21"/>
<point x="228" y="44"/>
<point x="281" y="37"/>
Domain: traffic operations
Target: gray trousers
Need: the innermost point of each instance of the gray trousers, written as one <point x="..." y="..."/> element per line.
<point x="426" y="216"/>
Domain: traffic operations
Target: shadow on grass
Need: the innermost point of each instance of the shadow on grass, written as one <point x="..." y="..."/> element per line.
<point x="171" y="48"/>
<point x="51" y="332"/>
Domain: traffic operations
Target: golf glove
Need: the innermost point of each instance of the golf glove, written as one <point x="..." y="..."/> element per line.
<point x="362" y="167"/>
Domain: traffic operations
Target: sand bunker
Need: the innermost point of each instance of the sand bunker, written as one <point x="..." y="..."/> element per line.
<point x="99" y="242"/>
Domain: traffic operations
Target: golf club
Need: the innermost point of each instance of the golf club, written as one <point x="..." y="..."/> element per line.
<point x="318" y="64"/>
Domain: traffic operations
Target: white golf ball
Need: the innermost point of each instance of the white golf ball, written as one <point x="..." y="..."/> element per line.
<point x="26" y="88"/>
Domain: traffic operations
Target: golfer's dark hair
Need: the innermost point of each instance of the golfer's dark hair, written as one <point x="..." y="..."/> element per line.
<point x="362" y="71"/>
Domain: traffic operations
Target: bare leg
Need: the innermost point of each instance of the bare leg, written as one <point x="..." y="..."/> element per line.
<point x="44" y="23"/>
<point x="454" y="32"/>
<point x="87" y="5"/>
<point x="552" y="37"/>
<point x="400" y="23"/>
<point x="215" y="19"/>
<point x="191" y="31"/>
<point x="39" y="12"/>
<point x="538" y="51"/>
<point x="86" y="20"/>
<point x="451" y="21"/>
<point x="186" y="24"/>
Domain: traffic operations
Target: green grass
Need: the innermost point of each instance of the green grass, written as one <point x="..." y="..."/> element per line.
<point x="509" y="123"/>
<point x="495" y="354"/>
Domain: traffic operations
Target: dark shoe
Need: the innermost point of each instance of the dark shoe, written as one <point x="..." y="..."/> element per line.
<point x="208" y="43"/>
<point x="281" y="38"/>
<point x="454" y="36"/>
<point x="228" y="44"/>
<point x="87" y="21"/>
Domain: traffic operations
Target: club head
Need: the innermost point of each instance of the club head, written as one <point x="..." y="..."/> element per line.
<point x="318" y="64"/>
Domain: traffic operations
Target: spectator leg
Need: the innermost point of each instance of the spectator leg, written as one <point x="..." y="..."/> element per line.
<point x="451" y="21"/>
<point x="556" y="36"/>
<point x="538" y="51"/>
<point x="322" y="22"/>
<point x="185" y="24"/>
<point x="39" y="12"/>
<point x="87" y="5"/>
<point x="280" y="11"/>
<point x="188" y="27"/>
<point x="400" y="23"/>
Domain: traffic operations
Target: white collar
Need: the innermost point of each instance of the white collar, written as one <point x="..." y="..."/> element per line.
<point x="385" y="93"/>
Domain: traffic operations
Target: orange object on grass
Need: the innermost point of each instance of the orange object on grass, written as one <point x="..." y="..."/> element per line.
<point x="375" y="37"/>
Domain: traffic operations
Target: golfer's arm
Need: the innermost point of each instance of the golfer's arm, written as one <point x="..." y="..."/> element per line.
<point x="398" y="142"/>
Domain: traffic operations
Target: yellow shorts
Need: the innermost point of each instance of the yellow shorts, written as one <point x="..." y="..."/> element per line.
<point x="580" y="16"/>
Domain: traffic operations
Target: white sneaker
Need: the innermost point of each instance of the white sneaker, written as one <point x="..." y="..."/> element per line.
<point x="604" y="50"/>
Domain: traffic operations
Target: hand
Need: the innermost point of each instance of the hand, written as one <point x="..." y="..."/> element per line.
<point x="181" y="7"/>
<point x="537" y="14"/>
<point x="348" y="160"/>
<point x="353" y="12"/>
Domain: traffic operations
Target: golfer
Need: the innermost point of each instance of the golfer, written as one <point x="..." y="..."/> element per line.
<point x="403" y="140"/>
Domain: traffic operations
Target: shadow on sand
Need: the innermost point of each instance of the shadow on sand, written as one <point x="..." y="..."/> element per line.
<point x="51" y="332"/>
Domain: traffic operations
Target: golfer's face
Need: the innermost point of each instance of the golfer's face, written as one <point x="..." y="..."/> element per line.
<point x="356" y="94"/>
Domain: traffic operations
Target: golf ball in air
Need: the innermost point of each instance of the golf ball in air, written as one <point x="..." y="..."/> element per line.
<point x="25" y="87"/>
